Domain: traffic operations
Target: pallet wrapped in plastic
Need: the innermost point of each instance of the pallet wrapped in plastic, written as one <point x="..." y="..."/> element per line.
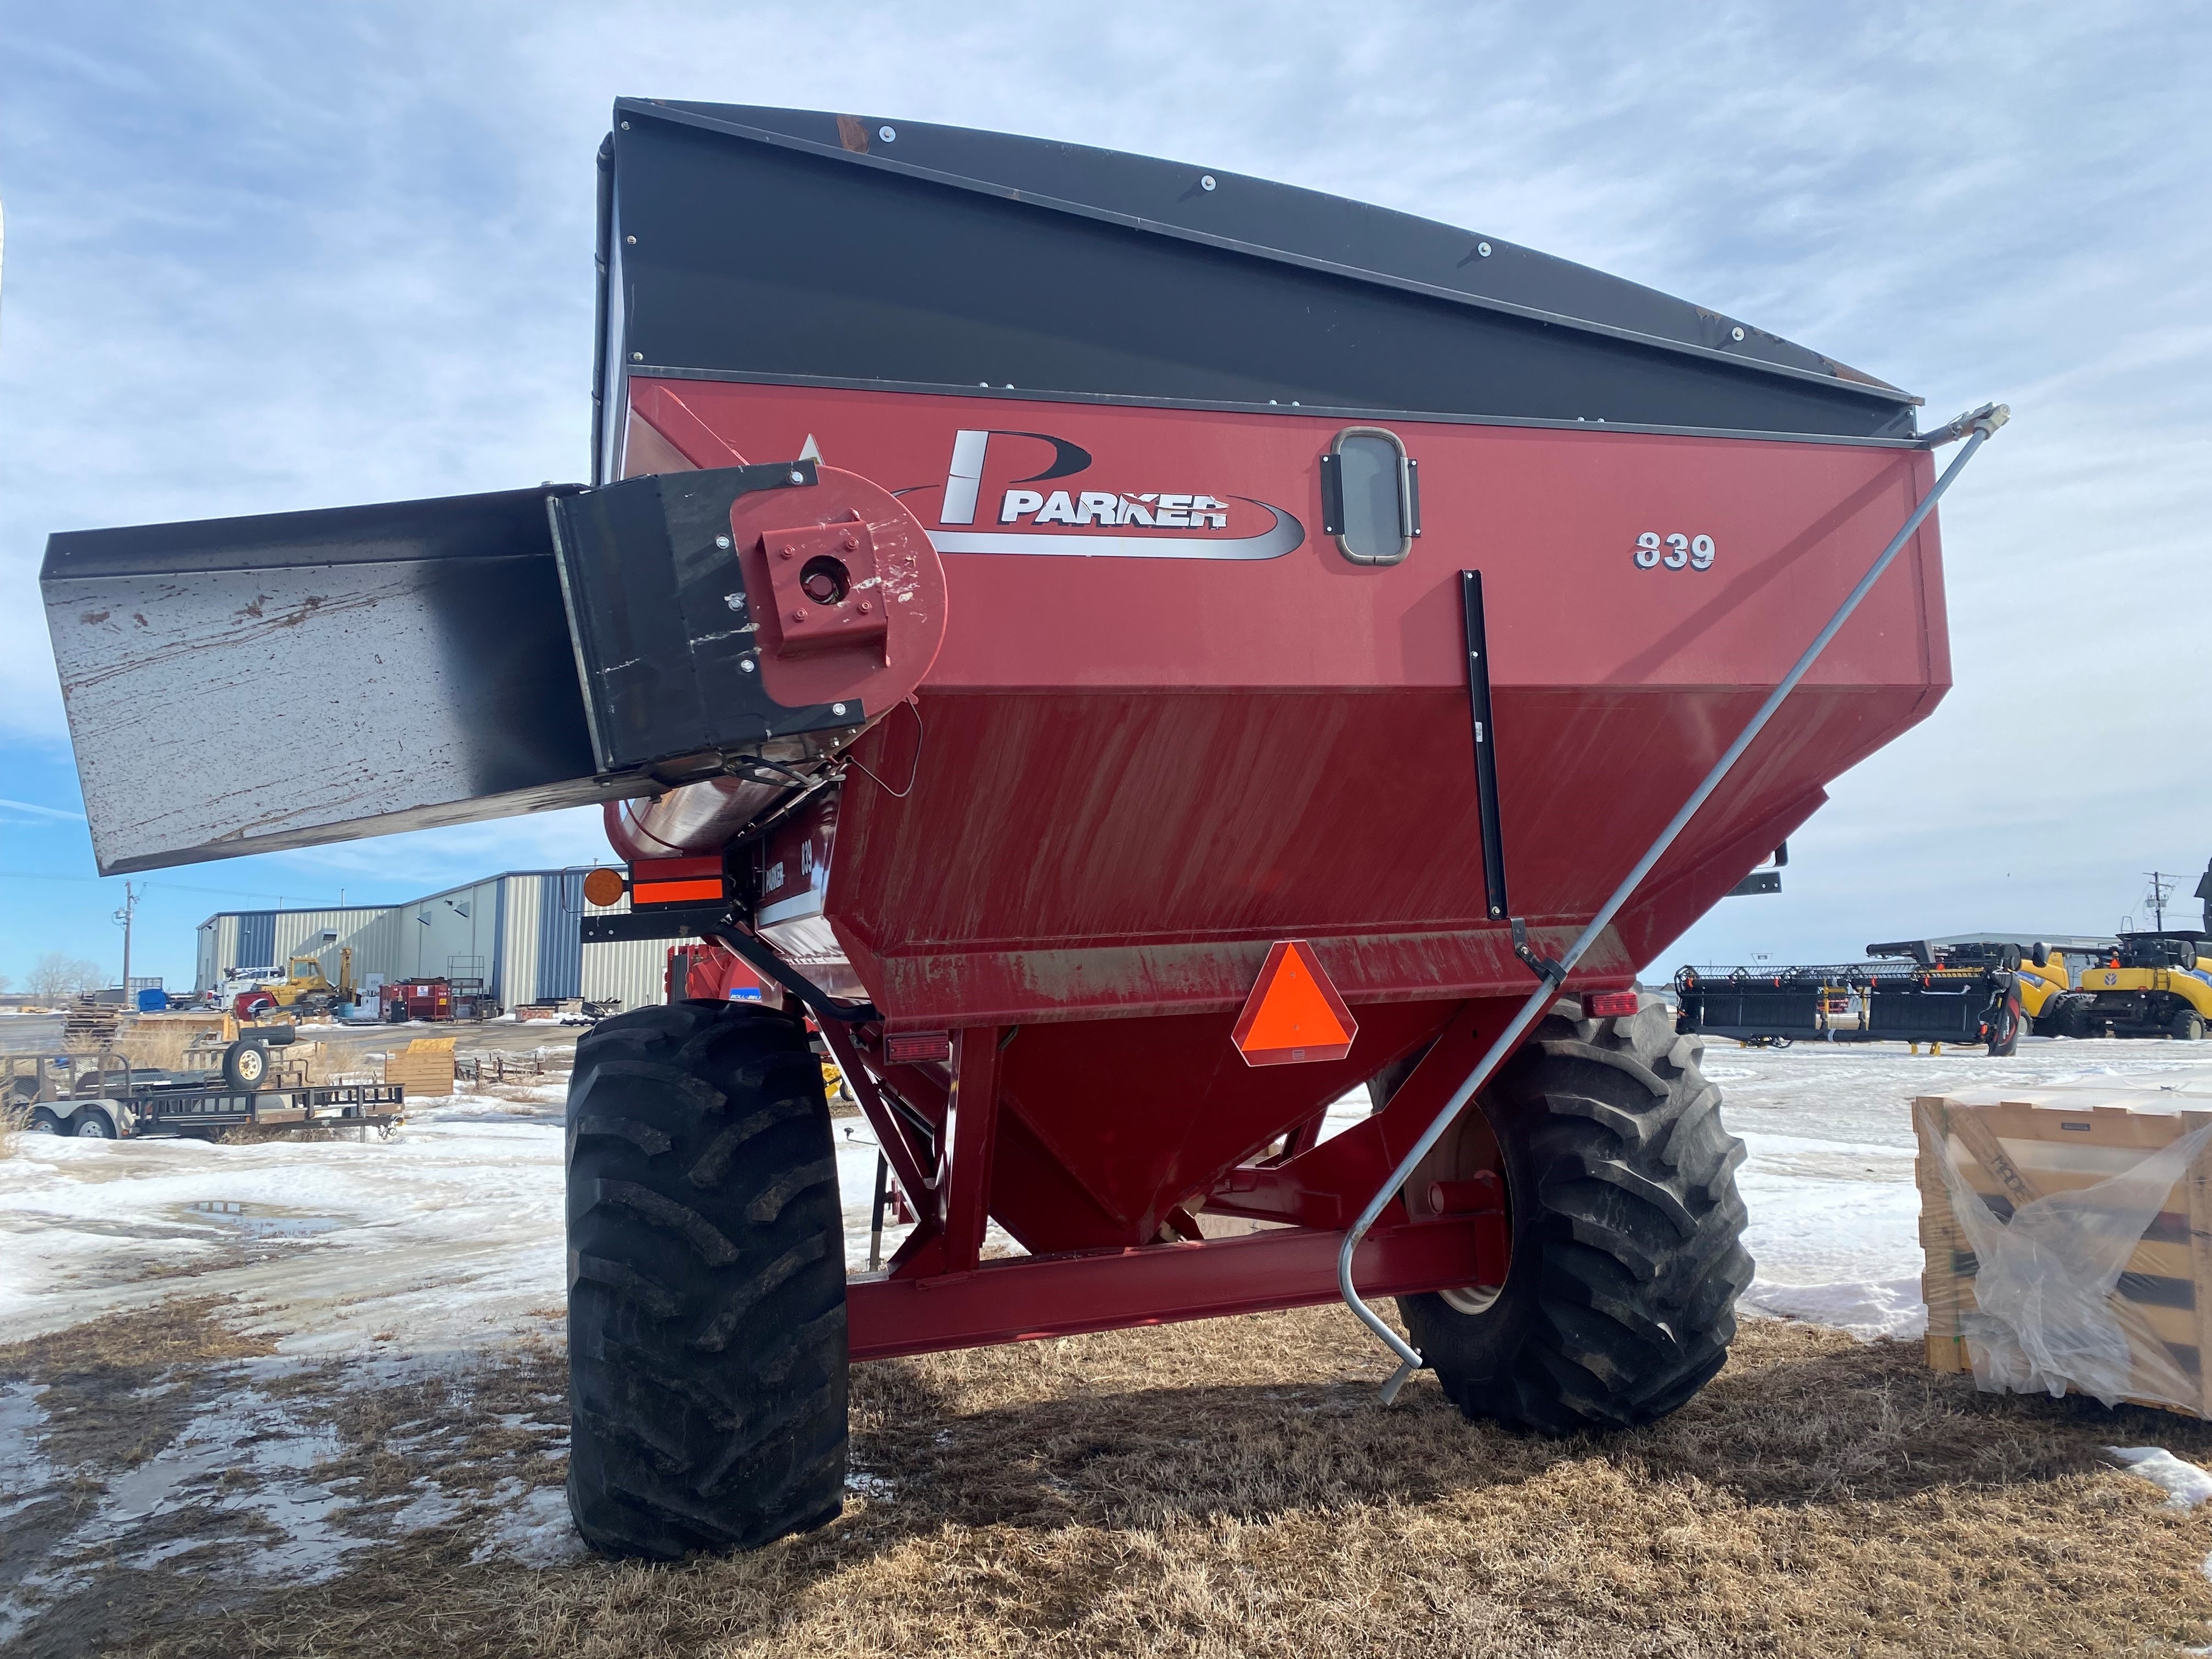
<point x="2068" y="1242"/>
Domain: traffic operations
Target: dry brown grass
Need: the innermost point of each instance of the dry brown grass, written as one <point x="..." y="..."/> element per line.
<point x="126" y="1349"/>
<point x="1234" y="1488"/>
<point x="257" y="1134"/>
<point x="13" y="1122"/>
<point x="160" y="1040"/>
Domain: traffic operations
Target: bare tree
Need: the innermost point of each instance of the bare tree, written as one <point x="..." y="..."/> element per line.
<point x="6" y="985"/>
<point x="49" y="977"/>
<point x="56" y="976"/>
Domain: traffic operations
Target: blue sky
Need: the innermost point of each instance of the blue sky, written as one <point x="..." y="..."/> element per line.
<point x="265" y="257"/>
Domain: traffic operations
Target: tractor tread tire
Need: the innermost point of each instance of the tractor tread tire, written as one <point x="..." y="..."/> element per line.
<point x="707" y="1336"/>
<point x="1627" y="1260"/>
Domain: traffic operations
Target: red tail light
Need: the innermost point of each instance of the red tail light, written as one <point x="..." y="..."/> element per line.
<point x="1608" y="1005"/>
<point x="907" y="1047"/>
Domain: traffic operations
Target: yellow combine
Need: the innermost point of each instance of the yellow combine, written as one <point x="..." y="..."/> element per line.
<point x="2152" y="985"/>
<point x="2040" y="982"/>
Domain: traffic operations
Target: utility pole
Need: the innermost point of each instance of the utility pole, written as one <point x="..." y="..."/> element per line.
<point x="2161" y="889"/>
<point x="123" y="917"/>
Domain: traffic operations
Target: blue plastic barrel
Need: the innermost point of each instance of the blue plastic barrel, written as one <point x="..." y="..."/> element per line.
<point x="152" y="1000"/>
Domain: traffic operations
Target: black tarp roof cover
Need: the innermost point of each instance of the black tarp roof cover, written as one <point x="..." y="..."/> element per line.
<point x="811" y="246"/>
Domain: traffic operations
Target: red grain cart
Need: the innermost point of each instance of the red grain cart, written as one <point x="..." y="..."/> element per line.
<point x="1137" y="654"/>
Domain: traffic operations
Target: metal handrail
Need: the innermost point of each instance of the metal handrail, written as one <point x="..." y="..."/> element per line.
<point x="1983" y="423"/>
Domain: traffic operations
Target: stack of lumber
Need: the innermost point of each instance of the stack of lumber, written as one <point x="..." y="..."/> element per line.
<point x="424" y="1067"/>
<point x="2100" y="1203"/>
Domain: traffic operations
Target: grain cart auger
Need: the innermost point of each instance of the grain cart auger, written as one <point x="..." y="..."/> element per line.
<point x="1099" y="638"/>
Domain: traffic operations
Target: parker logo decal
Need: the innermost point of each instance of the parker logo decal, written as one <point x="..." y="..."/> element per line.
<point x="1157" y="514"/>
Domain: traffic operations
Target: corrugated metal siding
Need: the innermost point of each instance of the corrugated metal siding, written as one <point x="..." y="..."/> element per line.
<point x="301" y="934"/>
<point x="560" y="936"/>
<point x="636" y="970"/>
<point x="257" y="940"/>
<point x="518" y="934"/>
<point x="218" y="950"/>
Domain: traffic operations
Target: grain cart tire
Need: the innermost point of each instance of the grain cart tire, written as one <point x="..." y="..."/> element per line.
<point x="2188" y="1025"/>
<point x="707" y="1342"/>
<point x="1619" y="1301"/>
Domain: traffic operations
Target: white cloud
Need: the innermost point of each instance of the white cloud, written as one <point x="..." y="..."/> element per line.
<point x="264" y="257"/>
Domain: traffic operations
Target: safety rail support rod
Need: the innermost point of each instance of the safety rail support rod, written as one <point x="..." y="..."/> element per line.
<point x="1983" y="423"/>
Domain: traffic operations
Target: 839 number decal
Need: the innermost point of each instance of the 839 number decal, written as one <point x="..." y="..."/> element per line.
<point x="1675" y="551"/>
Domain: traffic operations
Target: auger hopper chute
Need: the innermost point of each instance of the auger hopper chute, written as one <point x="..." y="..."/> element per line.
<point x="1133" y="654"/>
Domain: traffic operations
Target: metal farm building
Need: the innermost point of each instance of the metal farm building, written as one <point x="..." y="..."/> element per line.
<point x="519" y="932"/>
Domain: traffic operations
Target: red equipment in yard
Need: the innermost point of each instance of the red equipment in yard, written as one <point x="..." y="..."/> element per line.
<point x="1135" y="655"/>
<point x="416" y="998"/>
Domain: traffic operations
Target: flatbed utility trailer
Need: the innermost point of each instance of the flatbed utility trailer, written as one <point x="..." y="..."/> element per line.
<point x="1134" y="652"/>
<point x="104" y="1097"/>
<point x="1853" y="1002"/>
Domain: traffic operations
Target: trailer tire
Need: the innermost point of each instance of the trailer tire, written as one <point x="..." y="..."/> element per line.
<point x="44" y="1122"/>
<point x="92" y="1124"/>
<point x="1627" y="1257"/>
<point x="246" y="1064"/>
<point x="707" y="1336"/>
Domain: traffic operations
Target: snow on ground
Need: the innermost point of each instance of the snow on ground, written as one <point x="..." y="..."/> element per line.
<point x="244" y="1458"/>
<point x="2185" y="1485"/>
<point x="447" y="1235"/>
<point x="441" y="1238"/>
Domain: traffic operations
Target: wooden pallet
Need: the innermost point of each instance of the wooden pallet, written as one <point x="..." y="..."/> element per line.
<point x="2013" y="1152"/>
<point x="424" y="1069"/>
<point x="88" y="1026"/>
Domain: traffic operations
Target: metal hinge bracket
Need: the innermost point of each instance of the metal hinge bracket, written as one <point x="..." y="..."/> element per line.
<point x="1550" y="970"/>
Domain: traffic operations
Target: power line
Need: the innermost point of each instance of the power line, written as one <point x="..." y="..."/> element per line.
<point x="171" y="886"/>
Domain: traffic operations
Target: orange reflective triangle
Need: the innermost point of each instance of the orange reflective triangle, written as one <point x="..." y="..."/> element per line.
<point x="1293" y="1013"/>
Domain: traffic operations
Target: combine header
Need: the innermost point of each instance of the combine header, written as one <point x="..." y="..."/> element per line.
<point x="1957" y="996"/>
<point x="1135" y="654"/>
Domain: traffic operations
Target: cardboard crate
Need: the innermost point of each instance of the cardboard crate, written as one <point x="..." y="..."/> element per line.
<point x="2013" y="1150"/>
<point x="424" y="1067"/>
